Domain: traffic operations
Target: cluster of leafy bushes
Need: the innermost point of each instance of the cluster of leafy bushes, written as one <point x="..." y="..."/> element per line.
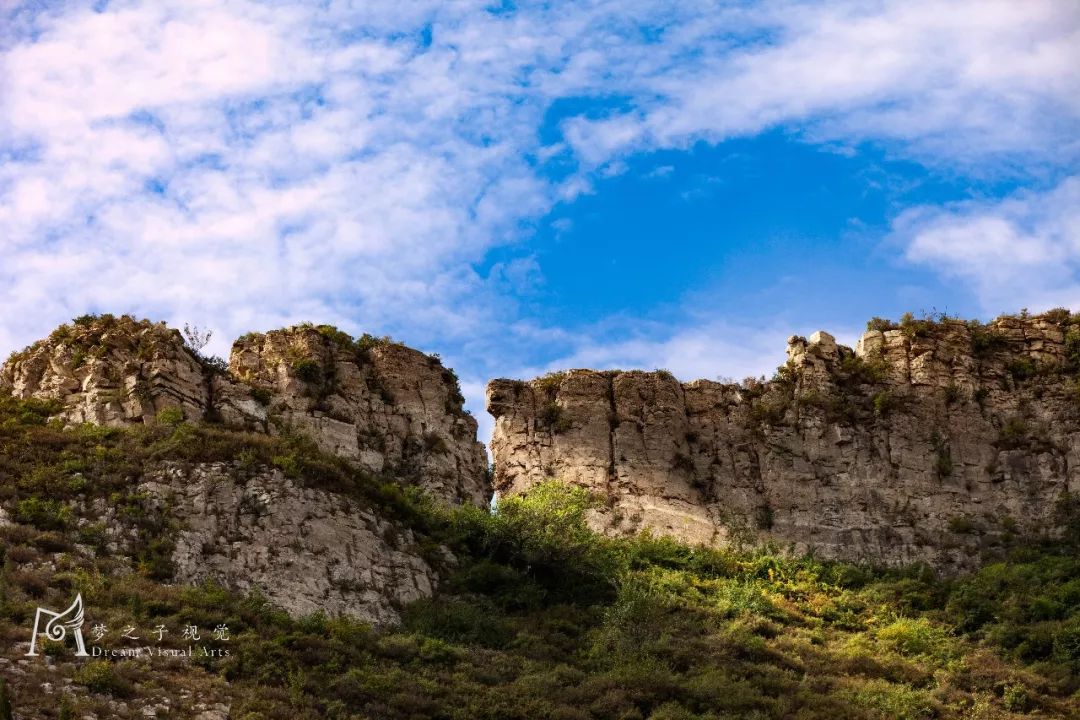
<point x="987" y="341"/>
<point x="911" y="326"/>
<point x="359" y="347"/>
<point x="538" y="617"/>
<point x="95" y="335"/>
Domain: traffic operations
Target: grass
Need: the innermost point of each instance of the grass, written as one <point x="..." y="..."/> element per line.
<point x="537" y="617"/>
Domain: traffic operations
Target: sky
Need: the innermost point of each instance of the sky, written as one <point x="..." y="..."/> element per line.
<point x="523" y="187"/>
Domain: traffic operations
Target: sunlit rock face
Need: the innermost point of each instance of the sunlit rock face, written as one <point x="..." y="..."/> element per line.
<point x="928" y="442"/>
<point x="380" y="404"/>
<point x="110" y="372"/>
<point x="385" y="407"/>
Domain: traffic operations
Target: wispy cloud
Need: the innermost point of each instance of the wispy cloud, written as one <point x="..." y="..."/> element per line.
<point x="246" y="164"/>
<point x="1021" y="251"/>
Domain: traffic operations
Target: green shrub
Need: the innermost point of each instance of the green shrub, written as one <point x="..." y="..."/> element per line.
<point x="1016" y="698"/>
<point x="1072" y="347"/>
<point x="984" y="340"/>
<point x="1022" y="368"/>
<point x="952" y="394"/>
<point x="262" y="395"/>
<point x="553" y="416"/>
<point x="683" y="463"/>
<point x="1013" y="434"/>
<point x="5" y="700"/>
<point x="943" y="464"/>
<point x="913" y="327"/>
<point x="916" y="636"/>
<point x="43" y="514"/>
<point x="550" y="382"/>
<point x="893" y="701"/>
<point x="1067" y="643"/>
<point x="880" y="324"/>
<point x="307" y="370"/>
<point x="434" y="443"/>
<point x="170" y="416"/>
<point x="962" y="525"/>
<point x="855" y="370"/>
<point x="102" y="676"/>
<point x="763" y="518"/>
<point x="1067" y="517"/>
<point x="884" y="402"/>
<point x="457" y="621"/>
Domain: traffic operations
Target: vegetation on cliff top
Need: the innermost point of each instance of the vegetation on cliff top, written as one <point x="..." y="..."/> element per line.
<point x="539" y="618"/>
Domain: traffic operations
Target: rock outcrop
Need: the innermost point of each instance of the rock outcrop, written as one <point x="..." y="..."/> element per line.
<point x="930" y="441"/>
<point x="110" y="371"/>
<point x="304" y="549"/>
<point x="385" y="407"/>
<point x="388" y="410"/>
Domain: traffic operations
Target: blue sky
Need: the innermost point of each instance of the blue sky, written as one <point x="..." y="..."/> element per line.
<point x="528" y="186"/>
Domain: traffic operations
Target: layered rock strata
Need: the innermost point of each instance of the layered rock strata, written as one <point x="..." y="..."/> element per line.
<point x="929" y="442"/>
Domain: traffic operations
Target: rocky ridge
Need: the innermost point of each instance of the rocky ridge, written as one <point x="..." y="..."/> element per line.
<point x="391" y="412"/>
<point x="930" y="441"/>
<point x="383" y="406"/>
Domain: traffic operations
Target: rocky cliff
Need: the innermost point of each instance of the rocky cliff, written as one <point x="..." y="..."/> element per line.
<point x="256" y="516"/>
<point x="307" y="550"/>
<point x="931" y="440"/>
<point x="383" y="406"/>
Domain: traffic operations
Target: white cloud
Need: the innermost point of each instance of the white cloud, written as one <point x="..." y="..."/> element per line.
<point x="1021" y="251"/>
<point x="242" y="164"/>
<point x="706" y="350"/>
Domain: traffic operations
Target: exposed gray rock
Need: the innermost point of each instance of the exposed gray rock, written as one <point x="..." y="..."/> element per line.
<point x="306" y="550"/>
<point x="381" y="405"/>
<point x="926" y="443"/>
<point x="113" y="373"/>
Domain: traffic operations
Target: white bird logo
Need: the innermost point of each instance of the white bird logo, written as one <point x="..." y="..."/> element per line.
<point x="58" y="624"/>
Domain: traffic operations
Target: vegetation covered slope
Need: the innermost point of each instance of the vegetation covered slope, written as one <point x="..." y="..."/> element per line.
<point x="537" y="618"/>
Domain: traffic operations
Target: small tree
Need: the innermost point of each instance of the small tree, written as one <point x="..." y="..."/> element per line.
<point x="197" y="338"/>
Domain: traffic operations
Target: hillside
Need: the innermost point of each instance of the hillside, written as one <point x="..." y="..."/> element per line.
<point x="356" y="586"/>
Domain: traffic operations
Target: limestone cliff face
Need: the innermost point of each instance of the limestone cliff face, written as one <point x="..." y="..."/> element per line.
<point x="385" y="407"/>
<point x="304" y="549"/>
<point x="380" y="404"/>
<point x="930" y="441"/>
